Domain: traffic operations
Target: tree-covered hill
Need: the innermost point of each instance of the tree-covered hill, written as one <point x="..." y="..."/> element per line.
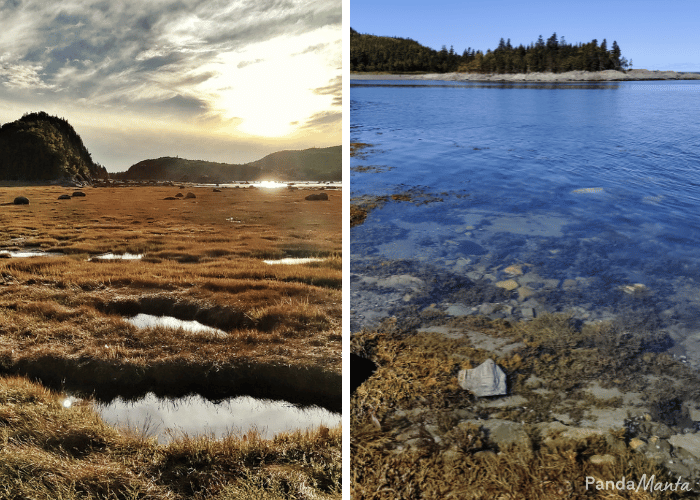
<point x="40" y="147"/>
<point x="399" y="55"/>
<point x="320" y="164"/>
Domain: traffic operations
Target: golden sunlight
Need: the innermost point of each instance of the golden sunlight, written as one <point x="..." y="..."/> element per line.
<point x="270" y="86"/>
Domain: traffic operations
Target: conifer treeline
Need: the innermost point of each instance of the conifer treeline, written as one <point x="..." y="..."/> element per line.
<point x="378" y="53"/>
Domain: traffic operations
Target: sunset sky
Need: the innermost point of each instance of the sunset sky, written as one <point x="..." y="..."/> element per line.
<point x="227" y="81"/>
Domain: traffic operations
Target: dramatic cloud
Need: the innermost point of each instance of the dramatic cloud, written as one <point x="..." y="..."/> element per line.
<point x="245" y="69"/>
<point x="335" y="89"/>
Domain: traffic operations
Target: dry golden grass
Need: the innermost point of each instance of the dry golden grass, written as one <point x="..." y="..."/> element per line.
<point x="52" y="452"/>
<point x="202" y="260"/>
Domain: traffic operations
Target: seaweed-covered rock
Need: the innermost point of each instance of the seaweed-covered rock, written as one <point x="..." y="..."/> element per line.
<point x="487" y="379"/>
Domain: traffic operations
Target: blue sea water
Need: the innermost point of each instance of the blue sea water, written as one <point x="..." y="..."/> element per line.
<point x="591" y="189"/>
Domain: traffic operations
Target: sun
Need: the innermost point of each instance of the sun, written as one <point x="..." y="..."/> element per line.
<point x="268" y="89"/>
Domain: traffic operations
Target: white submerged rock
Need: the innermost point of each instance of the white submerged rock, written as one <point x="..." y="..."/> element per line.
<point x="487" y="379"/>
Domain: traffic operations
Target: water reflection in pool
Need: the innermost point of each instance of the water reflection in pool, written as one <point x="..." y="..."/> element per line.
<point x="194" y="415"/>
<point x="28" y="253"/>
<point x="151" y="321"/>
<point x="293" y="260"/>
<point x="119" y="256"/>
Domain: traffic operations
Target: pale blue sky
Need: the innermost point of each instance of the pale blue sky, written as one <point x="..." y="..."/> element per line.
<point x="653" y="34"/>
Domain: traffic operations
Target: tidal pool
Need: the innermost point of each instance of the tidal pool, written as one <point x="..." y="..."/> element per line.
<point x="195" y="415"/>
<point x="293" y="260"/>
<point x="150" y="321"/>
<point x="119" y="256"/>
<point x="29" y="253"/>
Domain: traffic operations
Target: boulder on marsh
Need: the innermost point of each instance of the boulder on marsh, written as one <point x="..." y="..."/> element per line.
<point x="21" y="200"/>
<point x="317" y="197"/>
<point x="78" y="193"/>
<point x="64" y="197"/>
<point x="190" y="195"/>
<point x="487" y="379"/>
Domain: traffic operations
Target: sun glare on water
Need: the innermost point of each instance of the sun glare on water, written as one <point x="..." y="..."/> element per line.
<point x="271" y="184"/>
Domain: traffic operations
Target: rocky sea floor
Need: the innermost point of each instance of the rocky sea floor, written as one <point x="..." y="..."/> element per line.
<point x="599" y="344"/>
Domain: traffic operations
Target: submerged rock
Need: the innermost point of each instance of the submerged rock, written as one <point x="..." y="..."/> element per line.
<point x="487" y="379"/>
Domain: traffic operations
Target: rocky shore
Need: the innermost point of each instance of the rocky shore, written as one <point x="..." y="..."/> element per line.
<point x="581" y="402"/>
<point x="571" y="76"/>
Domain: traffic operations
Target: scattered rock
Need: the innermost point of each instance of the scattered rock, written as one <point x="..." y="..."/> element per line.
<point x="217" y="190"/>
<point x="507" y="284"/>
<point x="602" y="460"/>
<point x="505" y="433"/>
<point x="636" y="288"/>
<point x="77" y="194"/>
<point x="487" y="379"/>
<point x="64" y="197"/>
<point x="189" y="195"/>
<point x="514" y="270"/>
<point x="179" y="195"/>
<point x="21" y="200"/>
<point x="637" y="444"/>
<point x="688" y="442"/>
<point x="317" y="197"/>
<point x="170" y="198"/>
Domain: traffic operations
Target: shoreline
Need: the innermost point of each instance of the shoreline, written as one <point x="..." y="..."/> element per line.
<point x="570" y="76"/>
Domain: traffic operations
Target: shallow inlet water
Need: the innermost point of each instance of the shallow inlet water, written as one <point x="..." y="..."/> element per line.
<point x="194" y="415"/>
<point x="573" y="197"/>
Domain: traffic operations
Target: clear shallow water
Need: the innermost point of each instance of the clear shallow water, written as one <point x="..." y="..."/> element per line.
<point x="597" y="184"/>
<point x="194" y="415"/>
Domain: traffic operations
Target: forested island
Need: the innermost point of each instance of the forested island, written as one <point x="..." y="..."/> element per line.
<point x="370" y="53"/>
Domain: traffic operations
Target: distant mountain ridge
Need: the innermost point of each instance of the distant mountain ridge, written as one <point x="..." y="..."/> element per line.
<point x="315" y="164"/>
<point x="41" y="147"/>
